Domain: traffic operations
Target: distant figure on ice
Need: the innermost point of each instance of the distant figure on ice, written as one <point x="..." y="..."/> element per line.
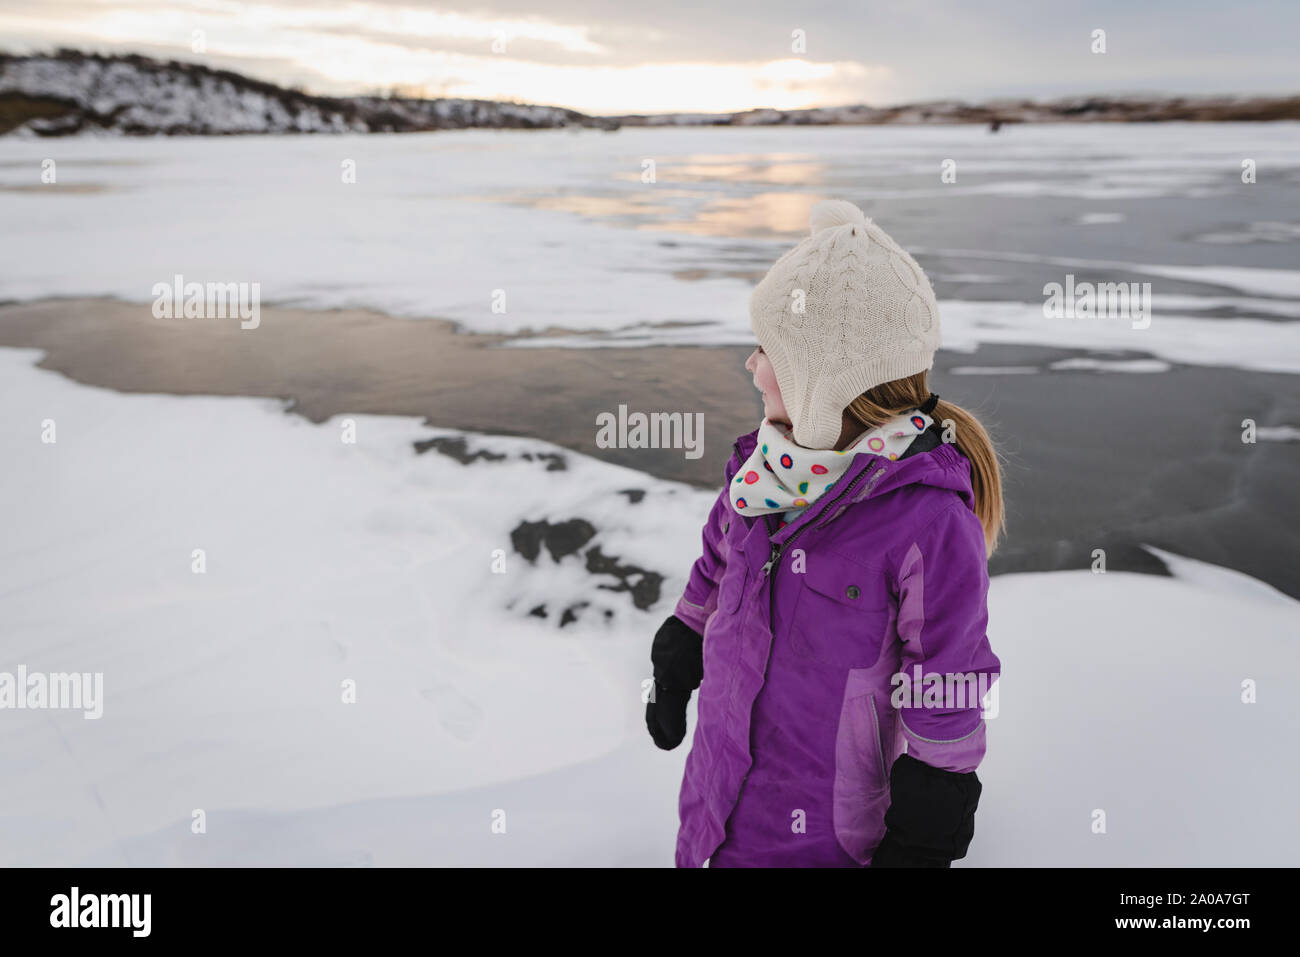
<point x="995" y="126"/>
<point x="844" y="571"/>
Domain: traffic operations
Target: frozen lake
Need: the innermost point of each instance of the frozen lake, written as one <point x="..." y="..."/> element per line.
<point x="559" y="229"/>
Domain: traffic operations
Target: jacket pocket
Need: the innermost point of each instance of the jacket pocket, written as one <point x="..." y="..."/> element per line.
<point x="841" y="613"/>
<point x="731" y="590"/>
<point x="861" y="788"/>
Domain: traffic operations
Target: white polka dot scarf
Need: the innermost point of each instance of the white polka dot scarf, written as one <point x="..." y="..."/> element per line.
<point x="782" y="475"/>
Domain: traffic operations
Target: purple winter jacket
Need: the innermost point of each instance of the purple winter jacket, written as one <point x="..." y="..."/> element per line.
<point x="789" y="765"/>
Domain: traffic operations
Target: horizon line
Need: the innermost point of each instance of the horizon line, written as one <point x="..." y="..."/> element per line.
<point x="1012" y="99"/>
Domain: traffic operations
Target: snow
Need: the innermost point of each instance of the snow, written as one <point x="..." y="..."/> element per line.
<point x="328" y="561"/>
<point x="1257" y="344"/>
<point x="1263" y="232"/>
<point x="1100" y="219"/>
<point x="1245" y="279"/>
<point x="1112" y="365"/>
<point x="1278" y="433"/>
<point x="161" y="99"/>
<point x="993" y="370"/>
<point x="325" y="562"/>
<point x="1124" y="693"/>
<point x="411" y="237"/>
<point x="1166" y="303"/>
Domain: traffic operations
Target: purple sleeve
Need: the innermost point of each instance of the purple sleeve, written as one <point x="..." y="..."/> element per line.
<point x="700" y="598"/>
<point x="943" y="583"/>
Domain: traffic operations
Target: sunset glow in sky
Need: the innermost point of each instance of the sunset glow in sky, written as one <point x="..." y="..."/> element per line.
<point x="602" y="57"/>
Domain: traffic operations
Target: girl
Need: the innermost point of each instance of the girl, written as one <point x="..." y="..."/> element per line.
<point x="844" y="572"/>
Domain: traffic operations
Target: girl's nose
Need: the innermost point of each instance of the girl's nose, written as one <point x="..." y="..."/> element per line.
<point x="749" y="363"/>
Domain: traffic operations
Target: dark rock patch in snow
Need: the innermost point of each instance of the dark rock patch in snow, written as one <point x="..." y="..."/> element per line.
<point x="457" y="447"/>
<point x="555" y="462"/>
<point x="454" y="446"/>
<point x="562" y="539"/>
<point x="644" y="585"/>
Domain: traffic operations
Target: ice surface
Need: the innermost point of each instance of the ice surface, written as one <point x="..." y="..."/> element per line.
<point x="506" y="231"/>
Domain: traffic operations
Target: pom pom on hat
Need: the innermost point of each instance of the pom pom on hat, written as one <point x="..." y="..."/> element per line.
<point x="836" y="212"/>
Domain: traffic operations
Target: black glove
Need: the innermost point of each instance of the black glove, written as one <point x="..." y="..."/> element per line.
<point x="931" y="816"/>
<point x="678" y="657"/>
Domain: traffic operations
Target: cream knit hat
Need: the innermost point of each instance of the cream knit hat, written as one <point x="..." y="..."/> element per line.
<point x="842" y="312"/>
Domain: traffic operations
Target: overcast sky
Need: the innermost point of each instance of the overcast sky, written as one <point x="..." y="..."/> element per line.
<point x="624" y="56"/>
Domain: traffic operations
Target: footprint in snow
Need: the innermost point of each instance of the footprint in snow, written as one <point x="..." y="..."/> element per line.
<point x="456" y="713"/>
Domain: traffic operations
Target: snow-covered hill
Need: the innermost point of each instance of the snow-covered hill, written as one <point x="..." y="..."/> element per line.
<point x="71" y="92"/>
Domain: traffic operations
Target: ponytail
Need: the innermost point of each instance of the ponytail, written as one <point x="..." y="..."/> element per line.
<point x="881" y="403"/>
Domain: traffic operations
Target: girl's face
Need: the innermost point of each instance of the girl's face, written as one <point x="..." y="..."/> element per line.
<point x="765" y="382"/>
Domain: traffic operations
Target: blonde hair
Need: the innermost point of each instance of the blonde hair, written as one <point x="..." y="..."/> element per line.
<point x="883" y="402"/>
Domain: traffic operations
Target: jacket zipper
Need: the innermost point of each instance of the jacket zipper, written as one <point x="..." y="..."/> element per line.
<point x="767" y="568"/>
<point x="776" y="549"/>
